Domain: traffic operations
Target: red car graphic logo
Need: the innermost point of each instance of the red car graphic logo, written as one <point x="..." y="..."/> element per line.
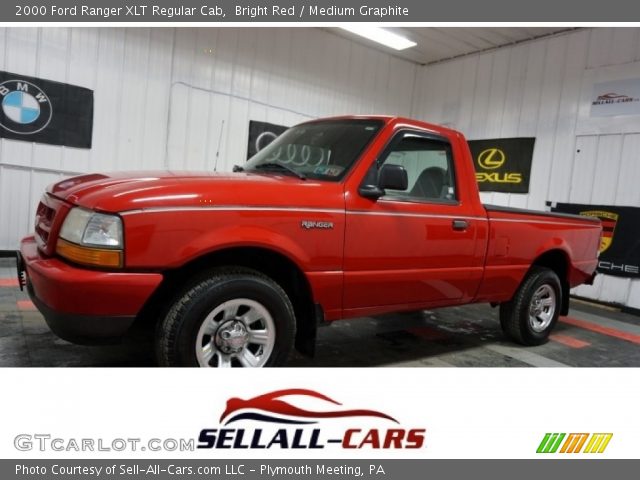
<point x="270" y="407"/>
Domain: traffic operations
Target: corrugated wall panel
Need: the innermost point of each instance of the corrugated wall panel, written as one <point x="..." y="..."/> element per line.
<point x="14" y="192"/>
<point x="154" y="139"/>
<point x="555" y="61"/>
<point x="107" y="105"/>
<point x="536" y="86"/>
<point x="167" y="97"/>
<point x="176" y="97"/>
<point x="82" y="69"/>
<point x="628" y="193"/>
<point x="282" y="76"/>
<point x="52" y="63"/>
<point x="132" y="99"/>
<point x="21" y="56"/>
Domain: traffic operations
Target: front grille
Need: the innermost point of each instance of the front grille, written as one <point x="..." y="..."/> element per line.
<point x="44" y="220"/>
<point x="46" y="227"/>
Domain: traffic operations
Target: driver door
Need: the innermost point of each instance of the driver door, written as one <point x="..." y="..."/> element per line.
<point x="413" y="248"/>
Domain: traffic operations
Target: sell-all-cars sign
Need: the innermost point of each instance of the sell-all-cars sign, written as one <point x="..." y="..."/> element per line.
<point x="503" y="164"/>
<point x="274" y="420"/>
<point x="619" y="97"/>
<point x="44" y="111"/>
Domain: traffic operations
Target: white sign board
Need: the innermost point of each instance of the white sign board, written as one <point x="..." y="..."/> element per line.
<point x="618" y="97"/>
<point x="604" y="106"/>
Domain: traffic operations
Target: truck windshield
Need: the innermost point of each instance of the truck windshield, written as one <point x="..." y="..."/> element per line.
<point x="323" y="150"/>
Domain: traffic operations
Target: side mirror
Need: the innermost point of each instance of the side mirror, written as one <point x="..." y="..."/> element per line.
<point x="393" y="177"/>
<point x="390" y="176"/>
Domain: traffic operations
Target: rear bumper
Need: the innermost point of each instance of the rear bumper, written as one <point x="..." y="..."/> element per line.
<point x="81" y="305"/>
<point x="583" y="272"/>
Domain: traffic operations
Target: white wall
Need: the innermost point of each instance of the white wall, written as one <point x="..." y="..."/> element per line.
<point x="534" y="90"/>
<point x="161" y="97"/>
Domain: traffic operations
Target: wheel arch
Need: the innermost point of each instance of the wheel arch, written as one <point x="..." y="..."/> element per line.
<point x="557" y="260"/>
<point x="269" y="262"/>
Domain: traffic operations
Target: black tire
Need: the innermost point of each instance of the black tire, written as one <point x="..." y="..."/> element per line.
<point x="516" y="318"/>
<point x="178" y="332"/>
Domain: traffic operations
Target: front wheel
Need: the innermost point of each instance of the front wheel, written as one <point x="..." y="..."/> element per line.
<point x="232" y="317"/>
<point x="534" y="310"/>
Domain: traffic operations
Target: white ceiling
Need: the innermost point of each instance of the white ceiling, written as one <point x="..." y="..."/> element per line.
<point x="436" y="44"/>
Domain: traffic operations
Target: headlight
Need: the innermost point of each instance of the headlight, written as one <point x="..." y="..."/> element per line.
<point x="90" y="228"/>
<point x="91" y="238"/>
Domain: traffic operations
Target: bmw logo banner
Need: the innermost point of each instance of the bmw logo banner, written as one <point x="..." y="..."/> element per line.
<point x="43" y="111"/>
<point x="262" y="134"/>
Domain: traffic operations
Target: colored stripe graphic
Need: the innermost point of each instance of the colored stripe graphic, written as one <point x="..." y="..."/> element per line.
<point x="598" y="442"/>
<point x="574" y="443"/>
<point x="543" y="443"/>
<point x="550" y="443"/>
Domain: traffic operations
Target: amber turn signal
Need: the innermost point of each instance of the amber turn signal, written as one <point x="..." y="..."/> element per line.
<point x="98" y="257"/>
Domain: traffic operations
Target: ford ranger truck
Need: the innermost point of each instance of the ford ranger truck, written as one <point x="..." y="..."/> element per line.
<point x="337" y="218"/>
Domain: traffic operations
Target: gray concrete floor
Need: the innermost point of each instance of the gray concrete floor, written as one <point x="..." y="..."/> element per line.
<point x="467" y="336"/>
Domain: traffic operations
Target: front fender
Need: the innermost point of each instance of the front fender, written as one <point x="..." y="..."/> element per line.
<point x="170" y="239"/>
<point x="234" y="236"/>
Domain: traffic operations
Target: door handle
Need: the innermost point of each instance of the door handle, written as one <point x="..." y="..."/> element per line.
<point x="460" y="225"/>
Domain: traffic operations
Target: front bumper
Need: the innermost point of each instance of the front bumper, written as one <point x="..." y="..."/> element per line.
<point x="82" y="305"/>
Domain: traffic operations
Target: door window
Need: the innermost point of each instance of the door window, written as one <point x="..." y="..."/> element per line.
<point x="429" y="166"/>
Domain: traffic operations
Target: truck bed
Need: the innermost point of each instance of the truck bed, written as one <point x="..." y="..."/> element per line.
<point x="518" y="236"/>
<point x="514" y="210"/>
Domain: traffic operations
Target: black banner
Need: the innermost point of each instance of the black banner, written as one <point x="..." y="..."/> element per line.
<point x="503" y="164"/>
<point x="262" y="134"/>
<point x="620" y="243"/>
<point x="44" y="111"/>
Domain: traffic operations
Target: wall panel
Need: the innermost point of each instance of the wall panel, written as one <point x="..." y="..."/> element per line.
<point x="534" y="89"/>
<point x="174" y="97"/>
<point x="182" y="99"/>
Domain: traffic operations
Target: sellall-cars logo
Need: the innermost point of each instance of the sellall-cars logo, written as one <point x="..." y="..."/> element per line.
<point x="273" y="420"/>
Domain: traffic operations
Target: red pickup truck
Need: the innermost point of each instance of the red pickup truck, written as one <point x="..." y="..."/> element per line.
<point x="337" y="218"/>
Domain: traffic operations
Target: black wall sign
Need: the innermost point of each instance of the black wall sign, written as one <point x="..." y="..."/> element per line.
<point x="43" y="111"/>
<point x="262" y="134"/>
<point x="620" y="244"/>
<point x="503" y="164"/>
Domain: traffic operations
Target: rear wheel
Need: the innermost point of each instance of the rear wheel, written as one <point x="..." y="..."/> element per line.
<point x="533" y="312"/>
<point x="230" y="318"/>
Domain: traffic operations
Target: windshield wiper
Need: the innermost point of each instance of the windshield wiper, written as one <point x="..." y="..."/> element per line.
<point x="237" y="168"/>
<point x="280" y="166"/>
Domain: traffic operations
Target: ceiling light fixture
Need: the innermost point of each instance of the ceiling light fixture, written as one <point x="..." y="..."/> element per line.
<point x="380" y="35"/>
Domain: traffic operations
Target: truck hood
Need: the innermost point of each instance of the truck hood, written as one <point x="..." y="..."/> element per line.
<point x="119" y="192"/>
